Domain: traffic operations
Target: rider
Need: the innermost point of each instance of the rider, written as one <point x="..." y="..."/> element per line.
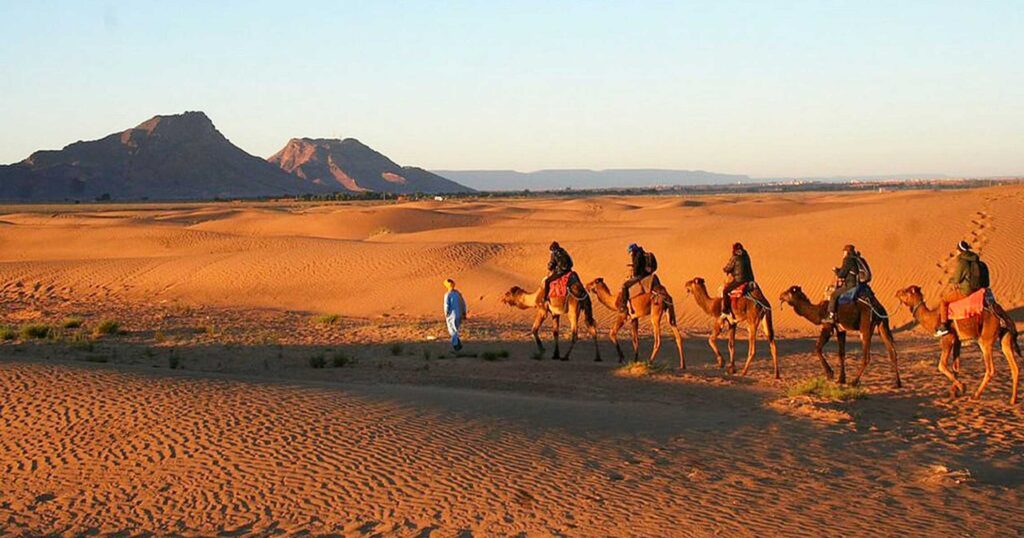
<point x="850" y="274"/>
<point x="559" y="265"/>
<point x="642" y="264"/>
<point x="739" y="271"/>
<point x="971" y="274"/>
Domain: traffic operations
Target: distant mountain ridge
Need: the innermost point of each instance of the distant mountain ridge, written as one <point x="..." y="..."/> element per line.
<point x="354" y="166"/>
<point x="183" y="157"/>
<point x="558" y="179"/>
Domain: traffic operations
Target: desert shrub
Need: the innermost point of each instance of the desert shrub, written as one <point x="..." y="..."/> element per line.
<point x="34" y="330"/>
<point x="340" y="359"/>
<point x="494" y="355"/>
<point x="396" y="349"/>
<point x="159" y="337"/>
<point x="73" y="322"/>
<point x="317" y="361"/>
<point x="107" y="327"/>
<point x="820" y="387"/>
<point x="8" y="333"/>
<point x="80" y="342"/>
<point x="642" y="369"/>
<point x="173" y="362"/>
<point x="327" y="319"/>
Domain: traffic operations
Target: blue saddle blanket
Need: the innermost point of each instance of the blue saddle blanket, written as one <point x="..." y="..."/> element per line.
<point x="851" y="295"/>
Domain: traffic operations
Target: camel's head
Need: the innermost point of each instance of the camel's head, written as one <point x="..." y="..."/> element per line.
<point x="697" y="283"/>
<point x="910" y="295"/>
<point x="792" y="295"/>
<point x="596" y="284"/>
<point x="512" y="297"/>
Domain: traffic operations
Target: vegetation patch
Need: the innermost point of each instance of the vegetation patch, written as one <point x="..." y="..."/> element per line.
<point x="107" y="327"/>
<point x="317" y="361"/>
<point x="34" y="330"/>
<point x="8" y="333"/>
<point x="820" y="387"/>
<point x="642" y="369"/>
<point x="340" y="359"/>
<point x="327" y="319"/>
<point x="396" y="349"/>
<point x="494" y="355"/>
<point x="73" y="322"/>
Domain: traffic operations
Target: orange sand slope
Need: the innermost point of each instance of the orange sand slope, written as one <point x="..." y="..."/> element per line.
<point x="365" y="260"/>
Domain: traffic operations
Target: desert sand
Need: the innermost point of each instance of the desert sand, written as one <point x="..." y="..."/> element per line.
<point x="99" y="435"/>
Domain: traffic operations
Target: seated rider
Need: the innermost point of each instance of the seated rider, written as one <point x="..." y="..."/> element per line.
<point x="642" y="264"/>
<point x="739" y="271"/>
<point x="853" y="272"/>
<point x="559" y="265"/>
<point x="971" y="275"/>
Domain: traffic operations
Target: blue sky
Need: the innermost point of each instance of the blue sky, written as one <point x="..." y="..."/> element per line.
<point x="759" y="87"/>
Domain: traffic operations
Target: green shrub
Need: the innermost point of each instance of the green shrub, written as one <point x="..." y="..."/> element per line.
<point x="73" y="322"/>
<point x="821" y="387"/>
<point x="34" y="330"/>
<point x="107" y="327"/>
<point x="81" y="343"/>
<point x="327" y="319"/>
<point x="339" y="359"/>
<point x="159" y="337"/>
<point x="317" y="361"/>
<point x="8" y="333"/>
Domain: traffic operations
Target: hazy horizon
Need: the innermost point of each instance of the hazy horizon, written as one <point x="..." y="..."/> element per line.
<point x="780" y="89"/>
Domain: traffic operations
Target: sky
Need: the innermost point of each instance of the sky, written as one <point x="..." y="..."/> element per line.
<point x="764" y="88"/>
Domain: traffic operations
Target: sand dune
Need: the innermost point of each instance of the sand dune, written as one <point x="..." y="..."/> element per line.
<point x="362" y="260"/>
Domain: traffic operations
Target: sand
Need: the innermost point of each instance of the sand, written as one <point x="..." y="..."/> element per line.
<point x="98" y="435"/>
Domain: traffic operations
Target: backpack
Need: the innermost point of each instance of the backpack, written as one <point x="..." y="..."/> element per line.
<point x="863" y="271"/>
<point x="652" y="262"/>
<point x="977" y="275"/>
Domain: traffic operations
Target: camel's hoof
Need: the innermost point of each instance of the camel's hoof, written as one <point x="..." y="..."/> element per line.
<point x="597" y="359"/>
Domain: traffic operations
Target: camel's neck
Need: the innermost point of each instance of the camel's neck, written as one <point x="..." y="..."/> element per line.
<point x="531" y="300"/>
<point x="926" y="317"/>
<point x="814" y="313"/>
<point x="605" y="296"/>
<point x="704" y="301"/>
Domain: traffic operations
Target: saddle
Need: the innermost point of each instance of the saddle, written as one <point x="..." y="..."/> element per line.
<point x="970" y="306"/>
<point x="744" y="290"/>
<point x="559" y="289"/>
<point x="851" y="295"/>
<point x="645" y="285"/>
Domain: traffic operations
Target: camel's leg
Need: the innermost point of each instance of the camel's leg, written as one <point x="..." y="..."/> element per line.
<point x="656" y="327"/>
<point x="555" y="323"/>
<point x="716" y="329"/>
<point x="769" y="330"/>
<point x="538" y="321"/>
<point x="574" y="330"/>
<point x="634" y="326"/>
<point x="865" y="342"/>
<point x="885" y="333"/>
<point x="751" y="346"/>
<point x="947" y="343"/>
<point x="731" y="368"/>
<point x="990" y="367"/>
<point x="674" y="327"/>
<point x="1011" y="361"/>
<point x="956" y="355"/>
<point x="841" y="342"/>
<point x="823" y="338"/>
<point x="613" y="335"/>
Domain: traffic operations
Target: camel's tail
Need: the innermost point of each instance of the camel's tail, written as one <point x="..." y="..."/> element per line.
<point x="769" y="326"/>
<point x="588" y="310"/>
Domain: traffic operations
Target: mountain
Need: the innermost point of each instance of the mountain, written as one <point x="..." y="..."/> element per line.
<point x="179" y="156"/>
<point x="356" y="167"/>
<point x="510" y="180"/>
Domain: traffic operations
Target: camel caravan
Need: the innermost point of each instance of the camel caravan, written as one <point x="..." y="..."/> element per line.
<point x="968" y="312"/>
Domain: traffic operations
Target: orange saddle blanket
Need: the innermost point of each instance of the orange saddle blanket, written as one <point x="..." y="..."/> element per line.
<point x="969" y="306"/>
<point x="738" y="293"/>
<point x="560" y="288"/>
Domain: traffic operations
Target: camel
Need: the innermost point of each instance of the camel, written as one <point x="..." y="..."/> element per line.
<point x="985" y="329"/>
<point x="576" y="302"/>
<point x="856" y="316"/>
<point x="748" y="311"/>
<point x="654" y="304"/>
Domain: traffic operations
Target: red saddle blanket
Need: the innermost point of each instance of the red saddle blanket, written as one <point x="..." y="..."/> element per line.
<point x="968" y="307"/>
<point x="738" y="293"/>
<point x="560" y="288"/>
